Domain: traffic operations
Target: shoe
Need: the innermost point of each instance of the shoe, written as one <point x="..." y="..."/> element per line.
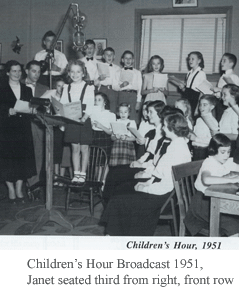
<point x="79" y="178"/>
<point x="21" y="199"/>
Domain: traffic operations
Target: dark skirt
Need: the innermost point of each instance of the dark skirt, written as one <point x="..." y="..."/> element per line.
<point x="198" y="217"/>
<point x="122" y="153"/>
<point x="103" y="140"/>
<point x="79" y="134"/>
<point x="17" y="157"/>
<point x="133" y="214"/>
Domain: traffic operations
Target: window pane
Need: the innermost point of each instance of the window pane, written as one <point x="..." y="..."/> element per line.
<point x="165" y="42"/>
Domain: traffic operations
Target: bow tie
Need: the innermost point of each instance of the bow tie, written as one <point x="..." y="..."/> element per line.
<point x="128" y="68"/>
<point x="110" y="65"/>
<point x="89" y="58"/>
<point x="31" y="83"/>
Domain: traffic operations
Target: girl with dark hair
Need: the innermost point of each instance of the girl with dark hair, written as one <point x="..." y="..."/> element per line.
<point x="229" y="121"/>
<point x="215" y="170"/>
<point x="155" y="66"/>
<point x="194" y="78"/>
<point x="135" y="211"/>
<point x="101" y="121"/>
<point x="17" y="158"/>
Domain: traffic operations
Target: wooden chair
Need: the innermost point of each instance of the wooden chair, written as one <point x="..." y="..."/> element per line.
<point x="94" y="180"/>
<point x="170" y="216"/>
<point x="184" y="176"/>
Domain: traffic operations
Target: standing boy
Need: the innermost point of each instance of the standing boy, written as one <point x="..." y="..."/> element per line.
<point x="58" y="59"/>
<point x="90" y="62"/>
<point x="110" y="85"/>
<point x="130" y="85"/>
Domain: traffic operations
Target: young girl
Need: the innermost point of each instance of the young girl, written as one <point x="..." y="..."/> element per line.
<point x="155" y="66"/>
<point x="185" y="107"/>
<point x="229" y="121"/>
<point x="101" y="120"/>
<point x="215" y="170"/>
<point x="80" y="136"/>
<point x="193" y="79"/>
<point x="123" y="150"/>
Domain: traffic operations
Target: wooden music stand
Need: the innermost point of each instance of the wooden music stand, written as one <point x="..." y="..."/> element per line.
<point x="49" y="213"/>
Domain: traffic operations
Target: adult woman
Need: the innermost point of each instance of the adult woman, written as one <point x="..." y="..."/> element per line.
<point x="137" y="213"/>
<point x="16" y="146"/>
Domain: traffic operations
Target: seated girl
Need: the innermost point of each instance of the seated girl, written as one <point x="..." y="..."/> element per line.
<point x="152" y="144"/>
<point x="215" y="170"/>
<point x="135" y="211"/>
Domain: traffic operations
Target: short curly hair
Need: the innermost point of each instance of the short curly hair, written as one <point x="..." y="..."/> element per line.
<point x="177" y="123"/>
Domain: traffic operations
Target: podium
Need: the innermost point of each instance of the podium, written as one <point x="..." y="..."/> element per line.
<point x="49" y="213"/>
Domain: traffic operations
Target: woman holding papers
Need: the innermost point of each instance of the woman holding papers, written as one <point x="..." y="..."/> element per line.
<point x="155" y="83"/>
<point x="16" y="146"/>
<point x="136" y="213"/>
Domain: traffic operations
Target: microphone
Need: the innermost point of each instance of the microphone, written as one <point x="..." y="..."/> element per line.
<point x="78" y="24"/>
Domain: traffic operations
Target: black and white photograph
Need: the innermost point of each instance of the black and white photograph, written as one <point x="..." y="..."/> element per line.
<point x="100" y="44"/>
<point x="185" y="3"/>
<point x="119" y="131"/>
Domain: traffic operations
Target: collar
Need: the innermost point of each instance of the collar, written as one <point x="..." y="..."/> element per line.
<point x="198" y="69"/>
<point x="228" y="72"/>
<point x="30" y="83"/>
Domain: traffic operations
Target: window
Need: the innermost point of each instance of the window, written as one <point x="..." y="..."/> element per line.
<point x="174" y="36"/>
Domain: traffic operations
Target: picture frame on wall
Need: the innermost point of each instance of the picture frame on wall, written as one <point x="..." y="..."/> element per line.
<point x="100" y="45"/>
<point x="59" y="46"/>
<point x="185" y="3"/>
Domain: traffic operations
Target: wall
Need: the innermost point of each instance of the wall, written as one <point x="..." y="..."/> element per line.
<point x="30" y="19"/>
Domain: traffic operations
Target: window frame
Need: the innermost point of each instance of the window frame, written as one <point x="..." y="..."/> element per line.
<point x="183" y="11"/>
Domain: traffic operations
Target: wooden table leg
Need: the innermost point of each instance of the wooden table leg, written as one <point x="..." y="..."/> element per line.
<point x="214" y="216"/>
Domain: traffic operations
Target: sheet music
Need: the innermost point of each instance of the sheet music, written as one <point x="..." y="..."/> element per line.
<point x="160" y="80"/>
<point x="126" y="75"/>
<point x="70" y="110"/>
<point x="174" y="80"/>
<point x="135" y="132"/>
<point x="119" y="128"/>
<point x="205" y="87"/>
<point x="22" y="106"/>
<point x="211" y="122"/>
<point x="103" y="69"/>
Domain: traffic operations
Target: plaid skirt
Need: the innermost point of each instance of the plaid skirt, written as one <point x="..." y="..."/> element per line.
<point x="122" y="153"/>
<point x="103" y="140"/>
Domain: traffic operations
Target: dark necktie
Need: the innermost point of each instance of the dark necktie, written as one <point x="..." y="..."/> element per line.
<point x="89" y="58"/>
<point x="128" y="68"/>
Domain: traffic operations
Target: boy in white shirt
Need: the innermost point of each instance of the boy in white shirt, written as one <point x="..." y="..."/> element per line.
<point x="130" y="90"/>
<point x="110" y="85"/>
<point x="90" y="62"/>
<point x="206" y="125"/>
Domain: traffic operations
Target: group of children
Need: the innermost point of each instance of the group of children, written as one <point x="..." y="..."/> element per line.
<point x="118" y="98"/>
